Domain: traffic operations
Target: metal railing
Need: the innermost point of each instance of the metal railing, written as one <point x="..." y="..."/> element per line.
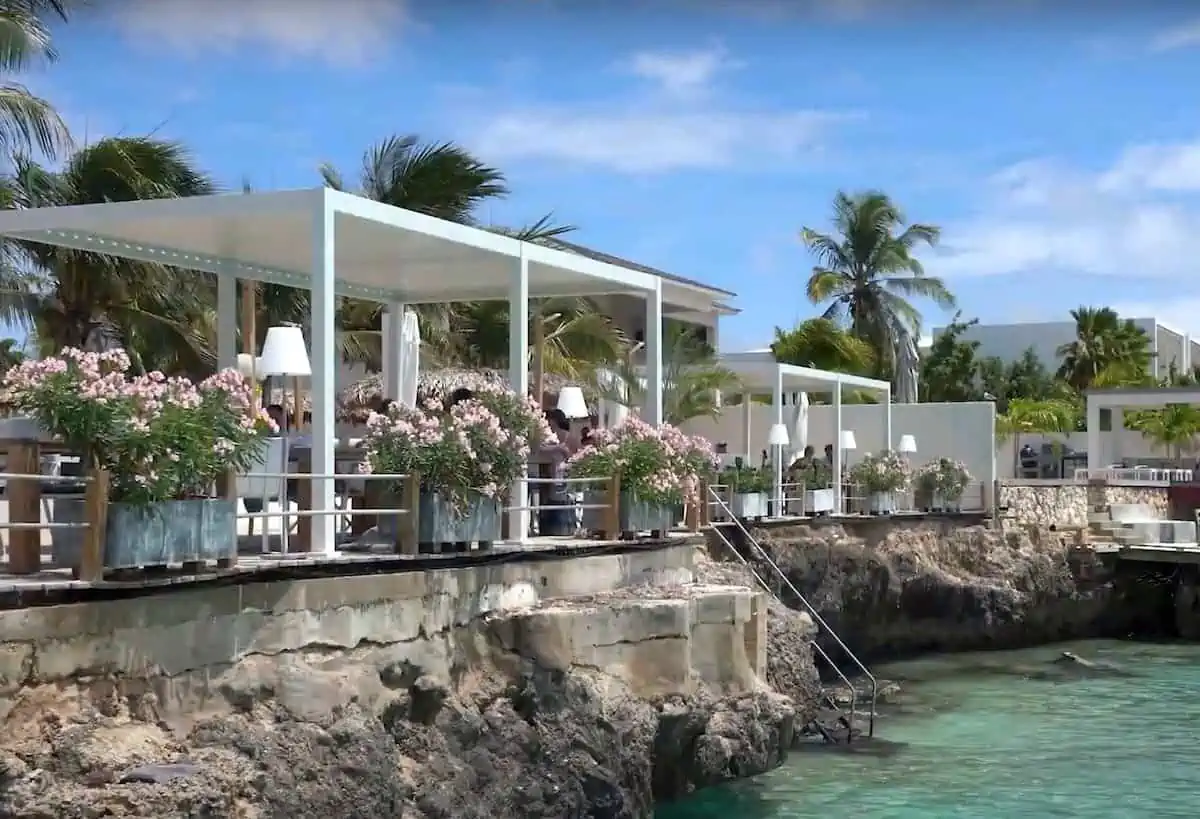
<point x="796" y="500"/>
<point x="816" y="616"/>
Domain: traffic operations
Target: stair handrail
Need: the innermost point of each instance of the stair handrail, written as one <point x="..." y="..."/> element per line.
<point x="815" y="645"/>
<point x="811" y="610"/>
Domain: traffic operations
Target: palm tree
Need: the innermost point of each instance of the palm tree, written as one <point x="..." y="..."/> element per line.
<point x="820" y="343"/>
<point x="442" y="180"/>
<point x="81" y="299"/>
<point x="1174" y="427"/>
<point x="1106" y="347"/>
<point x="692" y="379"/>
<point x="28" y="122"/>
<point x="1028" y="416"/>
<point x="867" y="270"/>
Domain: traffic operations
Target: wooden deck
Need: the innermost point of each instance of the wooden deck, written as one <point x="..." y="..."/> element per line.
<point x="55" y="586"/>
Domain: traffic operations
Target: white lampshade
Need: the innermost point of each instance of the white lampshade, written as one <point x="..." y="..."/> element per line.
<point x="848" y="440"/>
<point x="571" y="402"/>
<point x="908" y="445"/>
<point x="249" y="366"/>
<point x="284" y="353"/>
<point x="778" y="436"/>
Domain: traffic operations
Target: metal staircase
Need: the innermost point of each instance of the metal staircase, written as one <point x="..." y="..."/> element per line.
<point x="846" y="718"/>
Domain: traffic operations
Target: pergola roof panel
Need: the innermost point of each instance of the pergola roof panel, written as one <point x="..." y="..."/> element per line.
<point x="381" y="252"/>
<point x="760" y="372"/>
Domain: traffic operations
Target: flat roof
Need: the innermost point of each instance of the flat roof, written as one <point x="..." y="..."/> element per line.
<point x="382" y="253"/>
<point x="760" y="371"/>
<point x="1117" y="397"/>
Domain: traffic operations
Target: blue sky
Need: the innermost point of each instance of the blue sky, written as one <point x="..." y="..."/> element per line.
<point x="1058" y="148"/>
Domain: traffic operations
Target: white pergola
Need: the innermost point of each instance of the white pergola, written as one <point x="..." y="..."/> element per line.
<point x="1121" y="398"/>
<point x="760" y="373"/>
<point x="337" y="244"/>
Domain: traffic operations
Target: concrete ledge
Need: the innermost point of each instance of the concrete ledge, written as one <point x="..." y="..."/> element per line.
<point x="189" y="630"/>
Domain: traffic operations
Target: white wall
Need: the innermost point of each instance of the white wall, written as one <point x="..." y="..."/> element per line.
<point x="628" y="314"/>
<point x="1116" y="447"/>
<point x="965" y="431"/>
<point x="1009" y="341"/>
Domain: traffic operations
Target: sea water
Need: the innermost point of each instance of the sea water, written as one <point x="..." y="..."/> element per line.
<point x="1000" y="735"/>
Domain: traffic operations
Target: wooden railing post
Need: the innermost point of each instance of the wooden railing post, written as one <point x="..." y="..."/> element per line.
<point x="691" y="512"/>
<point x="612" y="515"/>
<point x="95" y="513"/>
<point x="409" y="524"/>
<point x="24" y="506"/>
<point x="705" y="504"/>
<point x="304" y="494"/>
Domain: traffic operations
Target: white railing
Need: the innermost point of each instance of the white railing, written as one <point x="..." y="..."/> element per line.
<point x="1134" y="474"/>
<point x="793" y="501"/>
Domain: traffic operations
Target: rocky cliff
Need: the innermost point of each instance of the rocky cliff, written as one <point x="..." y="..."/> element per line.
<point x="591" y="707"/>
<point x="892" y="589"/>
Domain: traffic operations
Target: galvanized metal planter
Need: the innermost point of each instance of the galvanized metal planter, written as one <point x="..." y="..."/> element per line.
<point x="440" y="523"/>
<point x="634" y="515"/>
<point x="156" y="534"/>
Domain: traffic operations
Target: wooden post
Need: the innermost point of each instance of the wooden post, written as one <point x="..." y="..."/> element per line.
<point x="410" y="522"/>
<point x="705" y="504"/>
<point x="374" y="497"/>
<point x="95" y="512"/>
<point x="612" y="515"/>
<point x="227" y="490"/>
<point x="538" y="342"/>
<point x="24" y="506"/>
<point x="304" y="492"/>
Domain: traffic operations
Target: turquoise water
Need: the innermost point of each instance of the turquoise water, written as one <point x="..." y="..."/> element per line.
<point x="978" y="740"/>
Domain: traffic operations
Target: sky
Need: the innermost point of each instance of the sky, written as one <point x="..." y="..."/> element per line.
<point x="1057" y="144"/>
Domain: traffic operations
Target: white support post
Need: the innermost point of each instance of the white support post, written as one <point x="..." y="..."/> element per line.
<point x="777" y="451"/>
<point x="838" y="501"/>
<point x="518" y="379"/>
<point x="652" y="412"/>
<point x="393" y="322"/>
<point x="888" y="442"/>
<point x="747" y="436"/>
<point x="1095" y="456"/>
<point x="324" y="369"/>
<point x="227" y="317"/>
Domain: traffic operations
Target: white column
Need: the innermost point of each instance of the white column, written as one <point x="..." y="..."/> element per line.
<point x="324" y="372"/>
<point x="838" y="501"/>
<point x="1095" y="456"/>
<point x="746" y="429"/>
<point x="776" y="451"/>
<point x="652" y="412"/>
<point x="393" y="321"/>
<point x="227" y="317"/>
<point x="518" y="379"/>
<point x="888" y="442"/>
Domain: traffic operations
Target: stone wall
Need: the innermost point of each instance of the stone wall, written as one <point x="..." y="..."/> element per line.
<point x="1067" y="504"/>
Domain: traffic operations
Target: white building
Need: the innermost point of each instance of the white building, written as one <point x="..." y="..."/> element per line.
<point x="1009" y="341"/>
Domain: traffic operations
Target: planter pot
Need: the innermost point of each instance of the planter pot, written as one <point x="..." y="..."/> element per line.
<point x="439" y="523"/>
<point x="881" y="503"/>
<point x="749" y="505"/>
<point x="818" y="501"/>
<point x="155" y="534"/>
<point x="943" y="503"/>
<point x="634" y="515"/>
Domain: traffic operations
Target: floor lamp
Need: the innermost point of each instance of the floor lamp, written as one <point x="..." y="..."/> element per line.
<point x="284" y="354"/>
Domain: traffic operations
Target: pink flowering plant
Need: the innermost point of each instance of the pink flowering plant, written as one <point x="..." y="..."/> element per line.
<point x="655" y="464"/>
<point x="159" y="438"/>
<point x="945" y="477"/>
<point x="476" y="447"/>
<point x="885" y="472"/>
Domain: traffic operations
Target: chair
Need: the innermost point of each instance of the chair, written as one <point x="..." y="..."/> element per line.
<point x="252" y="486"/>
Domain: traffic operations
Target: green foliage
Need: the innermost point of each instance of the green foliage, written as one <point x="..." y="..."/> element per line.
<point x="746" y="480"/>
<point x="1174" y="427"/>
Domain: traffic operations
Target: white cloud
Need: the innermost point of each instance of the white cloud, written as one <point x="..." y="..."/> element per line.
<point x="680" y="73"/>
<point x="1136" y="218"/>
<point x="1185" y="35"/>
<point x="670" y="125"/>
<point x="342" y="32"/>
<point x="1182" y="314"/>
